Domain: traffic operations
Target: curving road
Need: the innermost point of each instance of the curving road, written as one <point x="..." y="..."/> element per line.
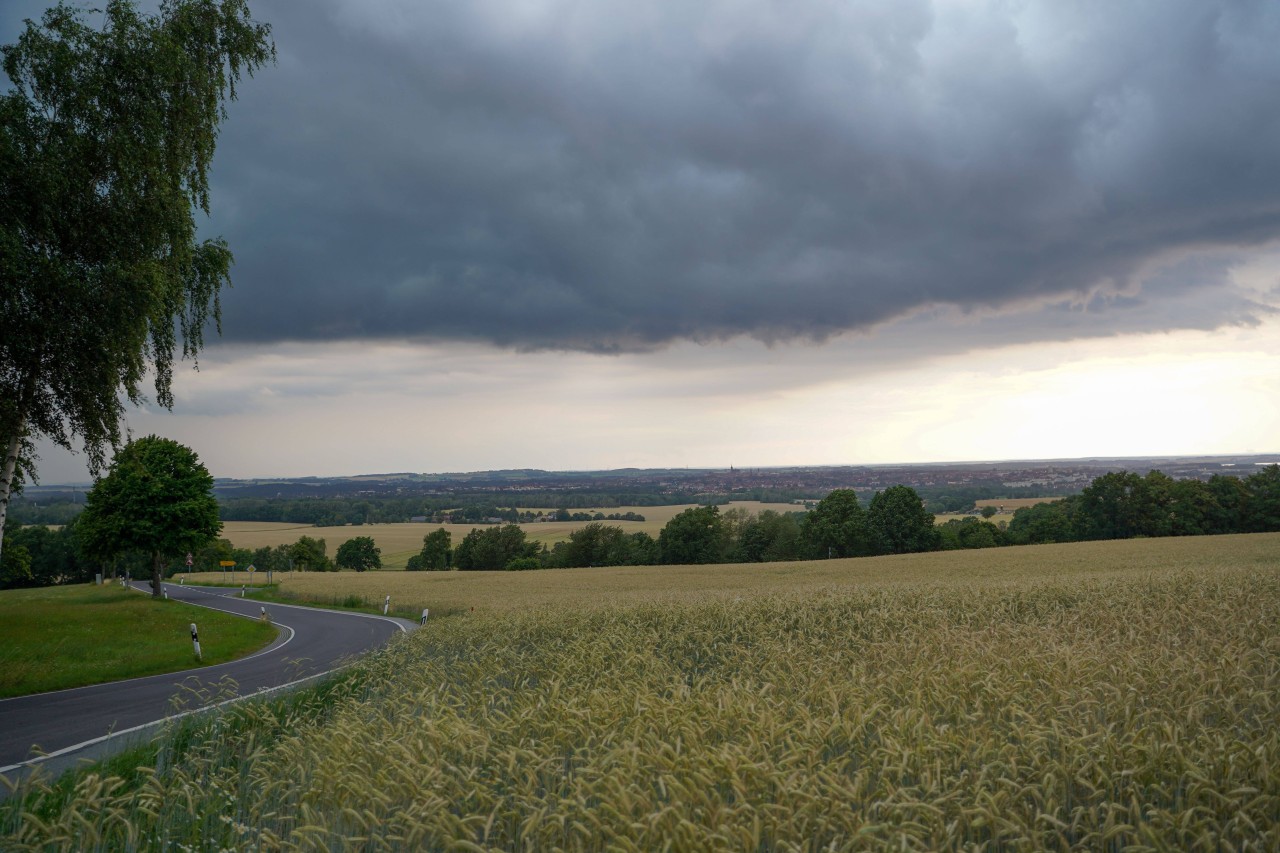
<point x="58" y="728"/>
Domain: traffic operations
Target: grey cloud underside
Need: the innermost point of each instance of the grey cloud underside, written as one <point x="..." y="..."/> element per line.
<point x="621" y="176"/>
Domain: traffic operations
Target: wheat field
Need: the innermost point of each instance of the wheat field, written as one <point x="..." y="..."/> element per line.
<point x="1101" y="696"/>
<point x="401" y="541"/>
<point x="1011" y="504"/>
<point x="586" y="587"/>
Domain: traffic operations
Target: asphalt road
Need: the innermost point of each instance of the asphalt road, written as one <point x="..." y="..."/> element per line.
<point x="87" y="722"/>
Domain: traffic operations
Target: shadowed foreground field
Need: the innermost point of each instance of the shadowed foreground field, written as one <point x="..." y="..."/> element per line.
<point x="1102" y="696"/>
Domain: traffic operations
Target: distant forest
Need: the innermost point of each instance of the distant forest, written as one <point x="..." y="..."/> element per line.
<point x="476" y="507"/>
<point x="944" y="488"/>
<point x="897" y="520"/>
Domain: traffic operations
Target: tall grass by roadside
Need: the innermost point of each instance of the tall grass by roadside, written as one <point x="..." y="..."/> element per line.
<point x="1136" y="710"/>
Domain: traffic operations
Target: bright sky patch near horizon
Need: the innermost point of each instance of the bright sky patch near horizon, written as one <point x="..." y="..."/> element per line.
<point x="571" y="236"/>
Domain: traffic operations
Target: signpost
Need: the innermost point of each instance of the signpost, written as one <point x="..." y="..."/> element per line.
<point x="225" y="565"/>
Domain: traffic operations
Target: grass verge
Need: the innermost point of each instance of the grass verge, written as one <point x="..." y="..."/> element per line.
<point x="54" y="638"/>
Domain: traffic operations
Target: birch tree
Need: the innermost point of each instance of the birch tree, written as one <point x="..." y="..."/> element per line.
<point x="107" y="132"/>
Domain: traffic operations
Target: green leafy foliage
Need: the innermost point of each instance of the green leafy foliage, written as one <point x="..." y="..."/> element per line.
<point x="769" y="536"/>
<point x="359" y="553"/>
<point x="308" y="554"/>
<point x="15" y="567"/>
<point x="51" y="556"/>
<point x="600" y="544"/>
<point x="695" y="536"/>
<point x="837" y="527"/>
<point x="1125" y="505"/>
<point x="157" y="499"/>
<point x="1040" y="524"/>
<point x="107" y="133"/>
<point x="899" y="522"/>
<point x="970" y="532"/>
<point x="493" y="548"/>
<point x="436" y="555"/>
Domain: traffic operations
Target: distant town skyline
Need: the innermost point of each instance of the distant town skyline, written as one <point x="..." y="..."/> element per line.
<point x="577" y="237"/>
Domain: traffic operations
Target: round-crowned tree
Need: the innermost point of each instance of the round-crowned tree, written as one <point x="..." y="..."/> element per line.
<point x="694" y="536"/>
<point x="360" y="554"/>
<point x="837" y="527"/>
<point x="157" y="498"/>
<point x="900" y="523"/>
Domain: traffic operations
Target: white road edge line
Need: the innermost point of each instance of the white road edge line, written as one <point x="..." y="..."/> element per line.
<point x="68" y="749"/>
<point x="392" y="620"/>
<point x="257" y="694"/>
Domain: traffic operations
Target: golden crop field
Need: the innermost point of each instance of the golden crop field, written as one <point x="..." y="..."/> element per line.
<point x="587" y="587"/>
<point x="1095" y="696"/>
<point x="401" y="541"/>
<point x="1011" y="504"/>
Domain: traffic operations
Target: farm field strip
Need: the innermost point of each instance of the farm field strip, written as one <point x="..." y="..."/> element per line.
<point x="402" y="540"/>
<point x="588" y="587"/>
<point x="1007" y="507"/>
<point x="1011" y="504"/>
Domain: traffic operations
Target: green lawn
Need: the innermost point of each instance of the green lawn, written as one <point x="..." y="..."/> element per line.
<point x="69" y="636"/>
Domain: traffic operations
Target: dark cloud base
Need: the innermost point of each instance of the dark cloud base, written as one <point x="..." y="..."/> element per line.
<point x="615" y="177"/>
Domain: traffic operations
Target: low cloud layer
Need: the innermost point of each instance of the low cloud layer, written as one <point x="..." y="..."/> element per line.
<point x="619" y="176"/>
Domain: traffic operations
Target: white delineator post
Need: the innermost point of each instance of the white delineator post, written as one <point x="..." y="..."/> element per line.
<point x="265" y="617"/>
<point x="424" y="616"/>
<point x="242" y="592"/>
<point x="195" y="641"/>
<point x="386" y="605"/>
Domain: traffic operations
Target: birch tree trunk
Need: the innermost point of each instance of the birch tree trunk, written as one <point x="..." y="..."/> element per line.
<point x="6" y="475"/>
<point x="157" y="572"/>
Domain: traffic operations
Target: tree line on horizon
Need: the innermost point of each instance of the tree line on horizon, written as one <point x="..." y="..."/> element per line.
<point x="1118" y="505"/>
<point x="479" y="507"/>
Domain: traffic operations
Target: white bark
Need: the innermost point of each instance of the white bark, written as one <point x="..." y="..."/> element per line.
<point x="6" y="476"/>
<point x="157" y="574"/>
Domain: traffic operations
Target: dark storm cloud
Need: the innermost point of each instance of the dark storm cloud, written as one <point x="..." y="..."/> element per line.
<point x="617" y="176"/>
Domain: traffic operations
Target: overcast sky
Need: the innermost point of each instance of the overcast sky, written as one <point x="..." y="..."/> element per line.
<point x="532" y="233"/>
